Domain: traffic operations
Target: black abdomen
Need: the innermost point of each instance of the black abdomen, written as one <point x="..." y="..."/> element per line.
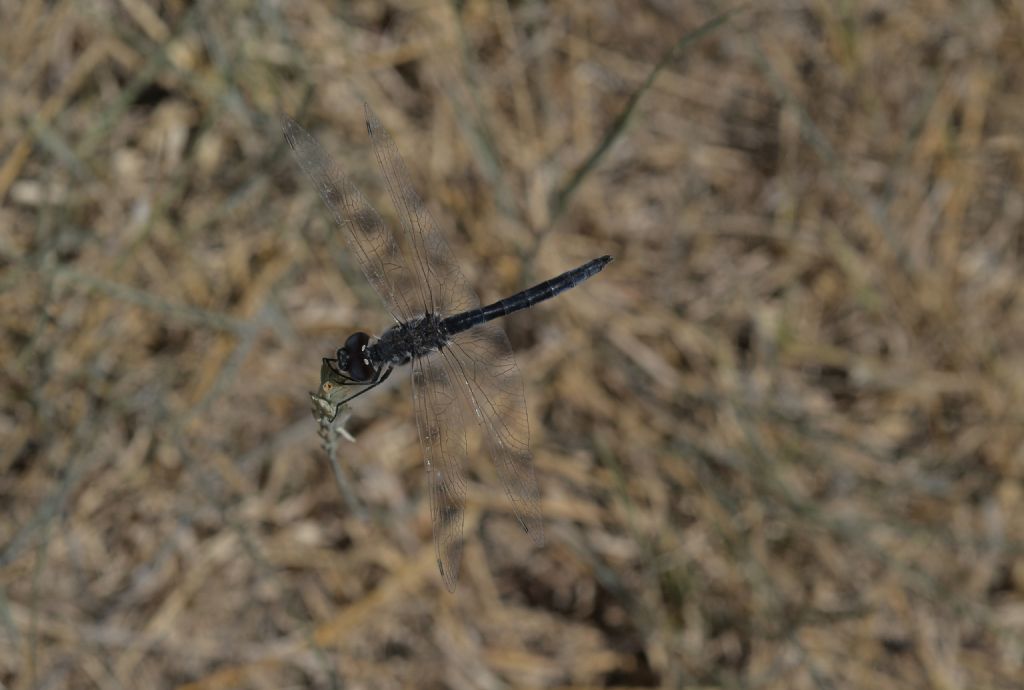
<point x="521" y="300"/>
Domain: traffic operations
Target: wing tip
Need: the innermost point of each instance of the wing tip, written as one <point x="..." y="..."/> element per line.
<point x="292" y="130"/>
<point x="532" y="524"/>
<point x="370" y="117"/>
<point x="536" y="534"/>
<point x="450" y="577"/>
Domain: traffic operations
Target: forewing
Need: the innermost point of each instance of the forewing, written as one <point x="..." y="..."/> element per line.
<point x="442" y="428"/>
<point x="482" y="358"/>
<point x="374" y="245"/>
<point x="445" y="289"/>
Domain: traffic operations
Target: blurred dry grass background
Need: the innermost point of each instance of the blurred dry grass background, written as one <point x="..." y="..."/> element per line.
<point x="779" y="440"/>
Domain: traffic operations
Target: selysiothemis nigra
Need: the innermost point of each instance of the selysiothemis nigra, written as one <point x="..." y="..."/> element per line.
<point x="461" y="359"/>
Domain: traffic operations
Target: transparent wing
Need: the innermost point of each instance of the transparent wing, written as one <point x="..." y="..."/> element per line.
<point x="442" y="428"/>
<point x="444" y="290"/>
<point x="375" y="247"/>
<point x="482" y="359"/>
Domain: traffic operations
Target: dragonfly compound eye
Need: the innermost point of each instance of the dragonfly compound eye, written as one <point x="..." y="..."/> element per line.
<point x="359" y="366"/>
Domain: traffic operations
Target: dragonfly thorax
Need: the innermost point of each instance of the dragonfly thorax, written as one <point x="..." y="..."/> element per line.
<point x="404" y="342"/>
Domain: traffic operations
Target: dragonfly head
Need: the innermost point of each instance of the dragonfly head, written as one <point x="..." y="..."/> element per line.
<point x="354" y="360"/>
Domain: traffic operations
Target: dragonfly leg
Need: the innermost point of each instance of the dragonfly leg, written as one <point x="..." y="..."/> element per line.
<point x="370" y="385"/>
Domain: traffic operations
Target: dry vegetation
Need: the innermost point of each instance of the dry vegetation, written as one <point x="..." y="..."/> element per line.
<point x="779" y="440"/>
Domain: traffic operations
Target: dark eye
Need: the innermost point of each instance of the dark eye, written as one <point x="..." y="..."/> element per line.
<point x="359" y="366"/>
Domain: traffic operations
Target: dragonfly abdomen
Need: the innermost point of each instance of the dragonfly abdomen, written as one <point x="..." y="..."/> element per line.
<point x="527" y="298"/>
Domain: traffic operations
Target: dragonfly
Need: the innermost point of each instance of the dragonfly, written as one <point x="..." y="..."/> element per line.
<point x="463" y="369"/>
